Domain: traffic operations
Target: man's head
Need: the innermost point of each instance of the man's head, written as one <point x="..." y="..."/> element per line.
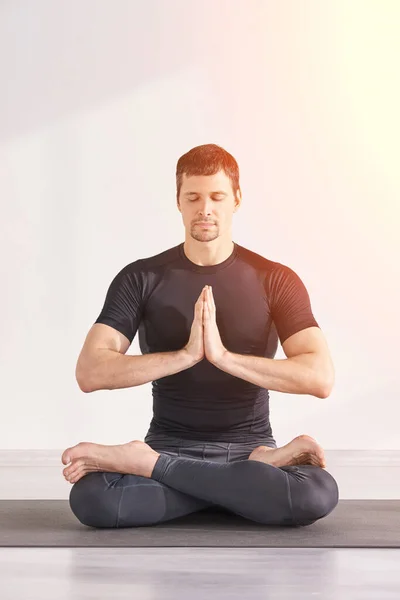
<point x="207" y="183"/>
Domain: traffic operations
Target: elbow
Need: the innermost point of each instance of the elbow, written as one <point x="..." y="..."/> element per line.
<point x="324" y="389"/>
<point x="83" y="382"/>
<point x="324" y="380"/>
<point x="322" y="393"/>
<point x="84" y="387"/>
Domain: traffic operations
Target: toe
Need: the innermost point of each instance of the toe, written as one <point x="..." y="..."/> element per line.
<point x="65" y="457"/>
<point x="69" y="454"/>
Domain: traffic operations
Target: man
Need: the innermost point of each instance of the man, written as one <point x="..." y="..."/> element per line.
<point x="209" y="314"/>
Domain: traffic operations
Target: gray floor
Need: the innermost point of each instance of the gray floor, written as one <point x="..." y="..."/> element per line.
<point x="363" y="524"/>
<point x="199" y="573"/>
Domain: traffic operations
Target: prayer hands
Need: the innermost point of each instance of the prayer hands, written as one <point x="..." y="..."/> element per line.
<point x="213" y="346"/>
<point x="204" y="337"/>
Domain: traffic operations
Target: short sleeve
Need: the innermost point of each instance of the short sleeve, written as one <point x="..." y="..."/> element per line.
<point x="123" y="303"/>
<point x="289" y="302"/>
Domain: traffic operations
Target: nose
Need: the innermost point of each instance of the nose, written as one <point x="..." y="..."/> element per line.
<point x="205" y="210"/>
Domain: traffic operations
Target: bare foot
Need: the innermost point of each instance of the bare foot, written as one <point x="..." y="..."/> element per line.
<point x="303" y="450"/>
<point x="135" y="457"/>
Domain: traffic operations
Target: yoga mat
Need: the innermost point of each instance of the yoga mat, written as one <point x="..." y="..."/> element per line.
<point x="352" y="524"/>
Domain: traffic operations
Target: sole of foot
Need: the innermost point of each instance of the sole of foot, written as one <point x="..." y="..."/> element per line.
<point x="135" y="457"/>
<point x="303" y="450"/>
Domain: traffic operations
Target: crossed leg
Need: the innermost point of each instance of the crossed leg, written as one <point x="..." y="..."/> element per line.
<point x="288" y="495"/>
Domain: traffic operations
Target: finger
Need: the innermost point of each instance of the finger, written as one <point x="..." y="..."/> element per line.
<point x="211" y="304"/>
<point x="201" y="298"/>
<point x="212" y="298"/>
<point x="202" y="295"/>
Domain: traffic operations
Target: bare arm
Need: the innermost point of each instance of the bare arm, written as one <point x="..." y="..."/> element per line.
<point x="113" y="370"/>
<point x="296" y="375"/>
<point x="103" y="365"/>
<point x="308" y="368"/>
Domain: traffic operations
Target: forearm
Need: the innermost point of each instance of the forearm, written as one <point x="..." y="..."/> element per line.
<point x="295" y="375"/>
<point x="113" y="370"/>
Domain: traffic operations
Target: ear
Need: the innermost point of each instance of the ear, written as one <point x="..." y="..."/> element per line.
<point x="238" y="199"/>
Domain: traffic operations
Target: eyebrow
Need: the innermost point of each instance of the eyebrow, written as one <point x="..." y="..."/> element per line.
<point x="218" y="192"/>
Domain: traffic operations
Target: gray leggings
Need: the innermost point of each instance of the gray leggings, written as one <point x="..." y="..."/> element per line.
<point x="190" y="476"/>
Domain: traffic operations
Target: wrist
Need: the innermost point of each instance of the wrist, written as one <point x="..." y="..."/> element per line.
<point x="189" y="359"/>
<point x="222" y="359"/>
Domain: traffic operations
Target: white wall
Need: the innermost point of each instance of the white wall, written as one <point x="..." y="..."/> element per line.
<point x="99" y="99"/>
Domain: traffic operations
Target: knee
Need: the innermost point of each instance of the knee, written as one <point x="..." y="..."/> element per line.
<point x="329" y="493"/>
<point x="321" y="499"/>
<point x="98" y="504"/>
<point x="90" y="502"/>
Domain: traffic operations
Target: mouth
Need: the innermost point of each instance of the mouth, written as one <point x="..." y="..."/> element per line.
<point x="205" y="224"/>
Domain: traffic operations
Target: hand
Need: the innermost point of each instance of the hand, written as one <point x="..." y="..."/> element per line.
<point x="213" y="346"/>
<point x="195" y="345"/>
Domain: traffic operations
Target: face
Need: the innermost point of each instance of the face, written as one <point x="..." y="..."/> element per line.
<point x="207" y="198"/>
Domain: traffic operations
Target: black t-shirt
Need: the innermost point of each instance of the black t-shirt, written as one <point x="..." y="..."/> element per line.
<point x="258" y="303"/>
